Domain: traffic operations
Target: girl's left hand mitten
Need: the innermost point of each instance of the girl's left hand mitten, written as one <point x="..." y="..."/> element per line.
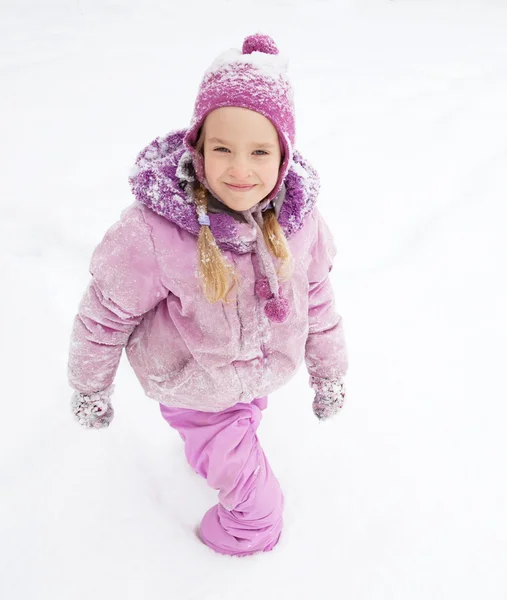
<point x="93" y="411"/>
<point x="329" y="397"/>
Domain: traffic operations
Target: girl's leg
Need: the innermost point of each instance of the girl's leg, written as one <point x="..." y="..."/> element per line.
<point x="223" y="447"/>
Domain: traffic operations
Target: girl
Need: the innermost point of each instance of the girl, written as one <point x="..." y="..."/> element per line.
<point x="216" y="282"/>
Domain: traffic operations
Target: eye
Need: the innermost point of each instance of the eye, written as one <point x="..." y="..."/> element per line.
<point x="260" y="153"/>
<point x="220" y="149"/>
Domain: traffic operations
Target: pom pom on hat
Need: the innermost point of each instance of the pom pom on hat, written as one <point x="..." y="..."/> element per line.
<point x="259" y="43"/>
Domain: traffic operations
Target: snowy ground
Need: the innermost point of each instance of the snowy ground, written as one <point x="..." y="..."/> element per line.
<point x="402" y="107"/>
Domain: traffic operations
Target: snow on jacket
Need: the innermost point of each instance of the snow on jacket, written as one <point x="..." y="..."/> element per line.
<point x="145" y="295"/>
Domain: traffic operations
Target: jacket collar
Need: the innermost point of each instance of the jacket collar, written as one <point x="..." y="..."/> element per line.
<point x="216" y="206"/>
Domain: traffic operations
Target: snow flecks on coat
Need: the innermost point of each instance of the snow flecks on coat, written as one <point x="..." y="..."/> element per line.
<point x="145" y="296"/>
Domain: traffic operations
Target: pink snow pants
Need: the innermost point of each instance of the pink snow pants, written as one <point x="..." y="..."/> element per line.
<point x="223" y="447"/>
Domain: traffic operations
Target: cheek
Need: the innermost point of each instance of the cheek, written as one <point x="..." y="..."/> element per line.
<point x="270" y="173"/>
<point x="211" y="168"/>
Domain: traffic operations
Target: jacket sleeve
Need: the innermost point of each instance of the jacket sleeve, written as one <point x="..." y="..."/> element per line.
<point x="326" y="351"/>
<point x="126" y="284"/>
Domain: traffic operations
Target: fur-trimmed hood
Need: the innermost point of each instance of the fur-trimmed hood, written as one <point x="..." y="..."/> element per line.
<point x="162" y="180"/>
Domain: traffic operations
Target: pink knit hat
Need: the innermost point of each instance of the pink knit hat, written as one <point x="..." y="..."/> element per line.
<point x="255" y="78"/>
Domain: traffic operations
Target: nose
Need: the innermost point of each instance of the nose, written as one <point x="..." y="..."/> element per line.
<point x="239" y="168"/>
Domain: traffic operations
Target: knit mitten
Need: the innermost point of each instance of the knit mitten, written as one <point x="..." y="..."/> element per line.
<point x="329" y="397"/>
<point x="93" y="411"/>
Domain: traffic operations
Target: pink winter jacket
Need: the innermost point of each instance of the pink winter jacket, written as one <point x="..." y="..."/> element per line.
<point x="145" y="296"/>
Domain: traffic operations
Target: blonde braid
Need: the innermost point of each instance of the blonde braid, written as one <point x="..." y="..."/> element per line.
<point x="276" y="243"/>
<point x="217" y="276"/>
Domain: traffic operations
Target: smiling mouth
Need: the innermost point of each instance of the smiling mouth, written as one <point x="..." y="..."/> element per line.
<point x="240" y="188"/>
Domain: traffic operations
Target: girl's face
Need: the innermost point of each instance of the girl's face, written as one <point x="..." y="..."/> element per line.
<point x="241" y="156"/>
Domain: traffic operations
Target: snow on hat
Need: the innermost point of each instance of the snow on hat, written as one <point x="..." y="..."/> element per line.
<point x="253" y="78"/>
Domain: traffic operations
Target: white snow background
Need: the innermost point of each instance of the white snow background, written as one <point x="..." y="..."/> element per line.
<point x="402" y="107"/>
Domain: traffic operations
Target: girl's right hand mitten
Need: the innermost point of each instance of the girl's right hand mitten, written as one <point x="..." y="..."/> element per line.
<point x="93" y="411"/>
<point x="329" y="397"/>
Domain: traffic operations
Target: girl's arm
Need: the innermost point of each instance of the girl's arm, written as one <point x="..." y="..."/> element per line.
<point x="126" y="283"/>
<point x="326" y="351"/>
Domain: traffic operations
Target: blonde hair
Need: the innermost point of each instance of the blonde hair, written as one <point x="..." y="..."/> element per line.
<point x="217" y="275"/>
